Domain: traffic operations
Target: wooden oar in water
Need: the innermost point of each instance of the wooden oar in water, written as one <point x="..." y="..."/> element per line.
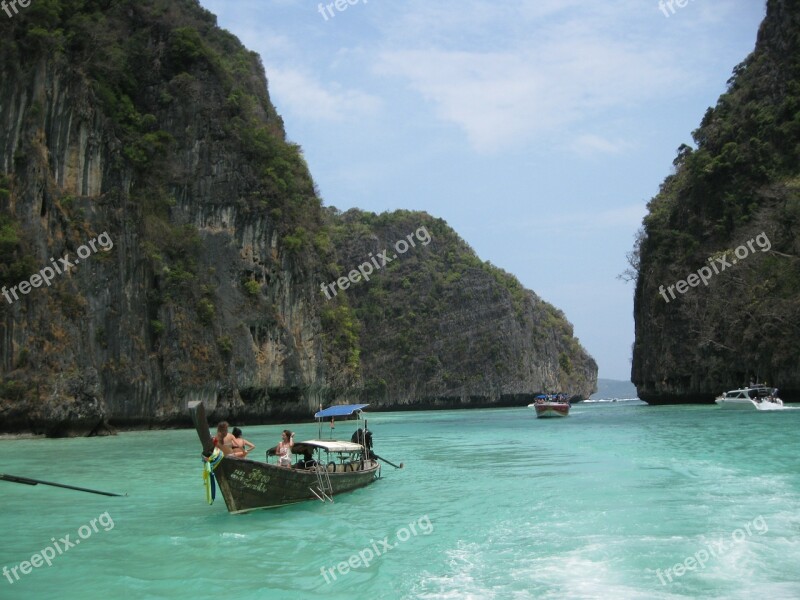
<point x="388" y="461"/>
<point x="29" y="481"/>
<point x="368" y="444"/>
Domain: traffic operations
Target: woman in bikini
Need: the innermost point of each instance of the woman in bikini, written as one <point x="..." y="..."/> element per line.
<point x="241" y="447"/>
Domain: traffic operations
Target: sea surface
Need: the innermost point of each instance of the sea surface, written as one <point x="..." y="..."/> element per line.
<point x="619" y="500"/>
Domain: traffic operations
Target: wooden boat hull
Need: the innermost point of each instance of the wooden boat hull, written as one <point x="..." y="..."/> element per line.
<point x="548" y="410"/>
<point x="248" y="484"/>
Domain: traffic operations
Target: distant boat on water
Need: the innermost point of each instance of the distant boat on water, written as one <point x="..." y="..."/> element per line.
<point x="606" y="400"/>
<point x="753" y="397"/>
<point x="613" y="388"/>
<point x="550" y="405"/>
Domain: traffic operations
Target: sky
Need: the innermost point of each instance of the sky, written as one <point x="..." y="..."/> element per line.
<point x="537" y="129"/>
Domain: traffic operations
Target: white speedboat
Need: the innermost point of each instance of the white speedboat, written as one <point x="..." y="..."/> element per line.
<point x="753" y="397"/>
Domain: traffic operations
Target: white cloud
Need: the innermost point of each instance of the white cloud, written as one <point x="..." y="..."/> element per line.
<point x="304" y="96"/>
<point x="610" y="221"/>
<point x="501" y="98"/>
<point x="628" y="217"/>
<point x="521" y="73"/>
<point x="623" y="217"/>
<point x="590" y="144"/>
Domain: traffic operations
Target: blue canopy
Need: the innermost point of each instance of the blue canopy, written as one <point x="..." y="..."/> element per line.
<point x="343" y="410"/>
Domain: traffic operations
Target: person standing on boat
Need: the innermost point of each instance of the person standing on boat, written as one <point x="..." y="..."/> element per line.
<point x="284" y="449"/>
<point x="241" y="446"/>
<point x="223" y="439"/>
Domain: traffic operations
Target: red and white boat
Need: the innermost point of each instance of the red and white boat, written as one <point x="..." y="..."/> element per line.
<point x="556" y="405"/>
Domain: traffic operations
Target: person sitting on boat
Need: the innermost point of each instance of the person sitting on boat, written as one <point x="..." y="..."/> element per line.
<point x="308" y="461"/>
<point x="284" y="449"/>
<point x="223" y="440"/>
<point x="241" y="446"/>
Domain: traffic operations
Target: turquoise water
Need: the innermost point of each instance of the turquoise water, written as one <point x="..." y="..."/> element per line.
<point x="492" y="504"/>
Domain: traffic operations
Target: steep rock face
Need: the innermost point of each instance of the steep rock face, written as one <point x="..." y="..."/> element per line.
<point x="441" y="328"/>
<point x="199" y="296"/>
<point x="143" y="128"/>
<point x="733" y="199"/>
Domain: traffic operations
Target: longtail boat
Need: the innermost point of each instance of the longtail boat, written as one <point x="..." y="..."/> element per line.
<point x="547" y="406"/>
<point x="247" y="484"/>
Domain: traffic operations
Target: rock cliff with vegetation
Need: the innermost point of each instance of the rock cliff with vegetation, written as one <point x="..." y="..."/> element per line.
<point x="441" y="328"/>
<point x="740" y="180"/>
<point x="146" y="121"/>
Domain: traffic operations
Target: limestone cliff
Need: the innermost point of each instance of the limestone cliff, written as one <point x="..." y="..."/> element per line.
<point x="441" y="328"/>
<point x="144" y="122"/>
<point x="730" y="212"/>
